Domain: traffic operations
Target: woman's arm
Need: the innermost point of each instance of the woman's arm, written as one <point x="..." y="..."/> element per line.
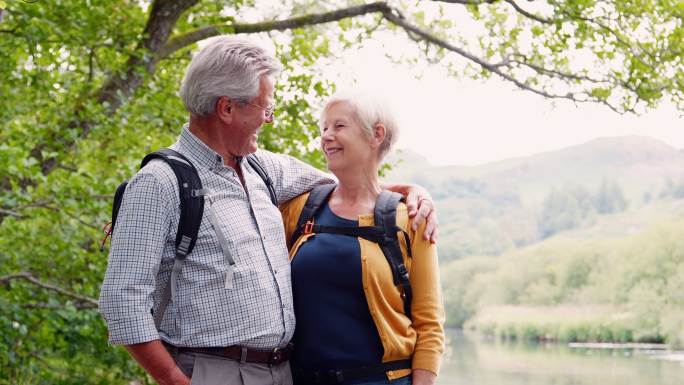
<point x="427" y="310"/>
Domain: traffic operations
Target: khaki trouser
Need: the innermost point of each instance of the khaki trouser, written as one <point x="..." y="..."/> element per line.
<point x="211" y="370"/>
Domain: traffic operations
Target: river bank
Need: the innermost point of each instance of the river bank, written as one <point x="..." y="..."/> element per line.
<point x="472" y="359"/>
<point x="600" y="326"/>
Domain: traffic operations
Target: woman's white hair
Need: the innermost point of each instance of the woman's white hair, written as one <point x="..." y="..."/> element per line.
<point x="227" y="66"/>
<point x="368" y="112"/>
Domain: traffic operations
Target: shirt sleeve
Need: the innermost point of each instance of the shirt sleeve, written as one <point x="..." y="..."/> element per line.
<point x="427" y="308"/>
<point x="291" y="177"/>
<point x="142" y="227"/>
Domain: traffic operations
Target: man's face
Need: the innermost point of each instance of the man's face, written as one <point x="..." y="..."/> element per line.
<point x="249" y="118"/>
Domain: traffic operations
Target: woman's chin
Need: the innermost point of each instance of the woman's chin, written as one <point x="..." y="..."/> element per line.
<point x="334" y="166"/>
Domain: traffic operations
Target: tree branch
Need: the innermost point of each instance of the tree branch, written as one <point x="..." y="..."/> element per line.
<point x="5" y="212"/>
<point x="41" y="305"/>
<point x="86" y="301"/>
<point x="163" y="18"/>
<point x="46" y="205"/>
<point x="494" y="68"/>
<point x="513" y="4"/>
<point x="529" y="15"/>
<point x="191" y="37"/>
<point x="552" y="72"/>
<point x="583" y="97"/>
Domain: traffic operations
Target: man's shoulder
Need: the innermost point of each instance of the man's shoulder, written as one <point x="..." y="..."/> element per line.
<point x="269" y="159"/>
<point x="158" y="174"/>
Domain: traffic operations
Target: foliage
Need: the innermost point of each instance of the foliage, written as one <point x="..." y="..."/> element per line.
<point x="673" y="189"/>
<point x="636" y="277"/>
<point x="573" y="206"/>
<point x="89" y="87"/>
<point x="564" y="323"/>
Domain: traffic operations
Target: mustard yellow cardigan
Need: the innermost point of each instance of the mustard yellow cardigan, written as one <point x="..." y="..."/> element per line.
<point x="421" y="337"/>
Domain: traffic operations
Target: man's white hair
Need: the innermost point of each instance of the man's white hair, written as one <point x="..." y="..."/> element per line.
<point x="227" y="66"/>
<point x="368" y="112"/>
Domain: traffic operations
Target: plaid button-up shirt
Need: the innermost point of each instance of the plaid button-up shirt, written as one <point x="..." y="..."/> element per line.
<point x="256" y="309"/>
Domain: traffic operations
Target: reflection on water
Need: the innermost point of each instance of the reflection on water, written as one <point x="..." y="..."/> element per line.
<point x="472" y="361"/>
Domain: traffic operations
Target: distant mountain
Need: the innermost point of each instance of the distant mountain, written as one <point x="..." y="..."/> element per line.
<point x="638" y="163"/>
<point x="494" y="207"/>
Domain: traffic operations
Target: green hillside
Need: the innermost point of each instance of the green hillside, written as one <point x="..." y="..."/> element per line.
<point x="498" y="207"/>
<point x="594" y="284"/>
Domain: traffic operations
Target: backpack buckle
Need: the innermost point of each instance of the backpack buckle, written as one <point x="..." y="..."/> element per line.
<point x="308" y="227"/>
<point x="108" y="230"/>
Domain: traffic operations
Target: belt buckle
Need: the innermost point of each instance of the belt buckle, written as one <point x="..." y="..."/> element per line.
<point x="276" y="355"/>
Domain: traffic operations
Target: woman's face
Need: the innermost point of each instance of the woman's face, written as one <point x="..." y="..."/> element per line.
<point x="345" y="144"/>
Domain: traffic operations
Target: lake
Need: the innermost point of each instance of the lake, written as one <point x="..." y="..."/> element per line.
<point x="472" y="360"/>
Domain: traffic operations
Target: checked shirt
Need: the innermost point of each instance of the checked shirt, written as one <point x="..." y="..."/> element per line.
<point x="255" y="310"/>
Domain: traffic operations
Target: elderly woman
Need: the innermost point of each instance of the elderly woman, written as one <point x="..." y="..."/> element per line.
<point x="354" y="324"/>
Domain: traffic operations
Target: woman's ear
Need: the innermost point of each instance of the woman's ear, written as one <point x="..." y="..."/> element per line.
<point x="378" y="134"/>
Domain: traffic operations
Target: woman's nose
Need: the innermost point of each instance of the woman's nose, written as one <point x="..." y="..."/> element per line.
<point x="326" y="136"/>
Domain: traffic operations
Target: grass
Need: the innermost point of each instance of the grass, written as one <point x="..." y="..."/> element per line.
<point x="596" y="323"/>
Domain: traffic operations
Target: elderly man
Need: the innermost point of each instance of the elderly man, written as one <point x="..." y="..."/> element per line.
<point x="230" y="318"/>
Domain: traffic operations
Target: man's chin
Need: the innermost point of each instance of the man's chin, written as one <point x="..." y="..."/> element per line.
<point x="253" y="147"/>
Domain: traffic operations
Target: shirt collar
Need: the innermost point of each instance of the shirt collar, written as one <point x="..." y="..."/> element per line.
<point x="196" y="150"/>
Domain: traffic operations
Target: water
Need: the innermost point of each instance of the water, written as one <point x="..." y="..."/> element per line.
<point x="470" y="360"/>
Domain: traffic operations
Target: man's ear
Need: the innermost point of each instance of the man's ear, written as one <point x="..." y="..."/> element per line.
<point x="224" y="109"/>
<point x="379" y="133"/>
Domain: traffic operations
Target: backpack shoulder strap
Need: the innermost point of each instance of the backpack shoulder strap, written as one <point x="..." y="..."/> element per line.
<point x="256" y="165"/>
<point x="189" y="191"/>
<point x="385" y="216"/>
<point x="191" y="208"/>
<point x="317" y="197"/>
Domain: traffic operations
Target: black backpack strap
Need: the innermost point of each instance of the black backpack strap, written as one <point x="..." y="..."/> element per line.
<point x="317" y="197"/>
<point x="385" y="215"/>
<point x="191" y="209"/>
<point x="191" y="199"/>
<point x="118" y="197"/>
<point x="256" y="165"/>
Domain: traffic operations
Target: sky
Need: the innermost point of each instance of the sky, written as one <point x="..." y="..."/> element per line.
<point x="454" y="121"/>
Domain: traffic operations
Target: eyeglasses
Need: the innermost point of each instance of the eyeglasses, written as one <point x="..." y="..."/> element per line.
<point x="268" y="111"/>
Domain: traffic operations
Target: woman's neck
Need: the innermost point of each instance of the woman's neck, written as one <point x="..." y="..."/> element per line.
<point x="355" y="195"/>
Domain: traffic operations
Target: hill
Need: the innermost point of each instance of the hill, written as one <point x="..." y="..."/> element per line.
<point x="499" y="206"/>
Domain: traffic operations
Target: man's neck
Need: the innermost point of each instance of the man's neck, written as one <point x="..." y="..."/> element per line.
<point x="205" y="130"/>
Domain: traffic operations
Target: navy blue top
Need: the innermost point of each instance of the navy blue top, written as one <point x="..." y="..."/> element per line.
<point x="334" y="326"/>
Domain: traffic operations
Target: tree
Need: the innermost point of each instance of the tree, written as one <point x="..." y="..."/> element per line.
<point x="88" y="87"/>
<point x="609" y="198"/>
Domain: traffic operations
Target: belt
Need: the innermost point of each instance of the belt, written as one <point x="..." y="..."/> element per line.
<point x="327" y="377"/>
<point x="240" y="353"/>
